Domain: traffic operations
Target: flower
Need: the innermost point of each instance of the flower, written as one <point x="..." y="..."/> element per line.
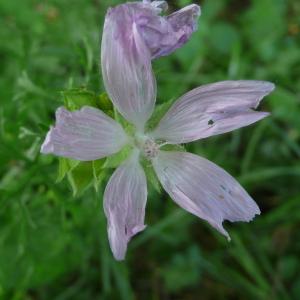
<point x="134" y="34"/>
<point x="161" y="34"/>
<point x="194" y="183"/>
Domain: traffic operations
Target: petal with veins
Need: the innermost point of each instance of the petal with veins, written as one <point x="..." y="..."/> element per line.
<point x="124" y="205"/>
<point x="213" y="109"/>
<point x="204" y="189"/>
<point x="126" y="65"/>
<point x="86" y="134"/>
<point x="163" y="35"/>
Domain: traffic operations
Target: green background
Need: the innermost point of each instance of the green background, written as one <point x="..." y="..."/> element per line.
<point x="54" y="246"/>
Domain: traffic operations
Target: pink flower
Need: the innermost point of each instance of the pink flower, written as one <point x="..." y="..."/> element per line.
<point x="194" y="183"/>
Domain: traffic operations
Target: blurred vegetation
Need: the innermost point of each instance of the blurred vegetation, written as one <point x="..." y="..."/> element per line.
<point x="54" y="246"/>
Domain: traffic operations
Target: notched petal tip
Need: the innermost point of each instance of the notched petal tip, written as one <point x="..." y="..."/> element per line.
<point x="125" y="199"/>
<point x="204" y="189"/>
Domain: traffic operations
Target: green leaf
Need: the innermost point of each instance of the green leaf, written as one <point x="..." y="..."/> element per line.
<point x="80" y="174"/>
<point x="115" y="160"/>
<point x="65" y="165"/>
<point x="78" y="97"/>
<point x="81" y="177"/>
<point x="104" y="103"/>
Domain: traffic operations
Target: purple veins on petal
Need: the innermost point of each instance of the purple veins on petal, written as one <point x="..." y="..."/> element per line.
<point x="126" y="65"/>
<point x="125" y="199"/>
<point x="163" y="35"/>
<point x="133" y="34"/>
<point x="204" y="189"/>
<point x="213" y="109"/>
<point x="86" y="134"/>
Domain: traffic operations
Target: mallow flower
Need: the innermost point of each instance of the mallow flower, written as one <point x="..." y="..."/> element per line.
<point x="194" y="183"/>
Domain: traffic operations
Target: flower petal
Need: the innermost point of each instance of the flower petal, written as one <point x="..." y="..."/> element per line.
<point x="204" y="189"/>
<point x="213" y="109"/>
<point x="124" y="205"/>
<point x="86" y="134"/>
<point x="126" y="65"/>
<point x="163" y="35"/>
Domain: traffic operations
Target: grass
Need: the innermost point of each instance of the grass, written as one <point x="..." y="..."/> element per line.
<point x="54" y="246"/>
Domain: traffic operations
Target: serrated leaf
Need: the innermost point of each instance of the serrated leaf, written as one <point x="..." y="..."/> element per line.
<point x="115" y="160"/>
<point x="159" y="112"/>
<point x="78" y="97"/>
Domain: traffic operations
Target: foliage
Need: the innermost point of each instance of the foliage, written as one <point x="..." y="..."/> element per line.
<point x="54" y="246"/>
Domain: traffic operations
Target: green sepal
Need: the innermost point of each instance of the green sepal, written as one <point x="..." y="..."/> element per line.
<point x="151" y="175"/>
<point x="171" y="147"/>
<point x="115" y="160"/>
<point x="98" y="172"/>
<point x="65" y="165"/>
<point x="159" y="111"/>
<point x="104" y="103"/>
<point x="128" y="127"/>
<point x="84" y="175"/>
<point x="80" y="175"/>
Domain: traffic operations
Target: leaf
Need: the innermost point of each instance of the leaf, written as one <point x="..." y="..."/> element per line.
<point x="80" y="174"/>
<point x="115" y="160"/>
<point x="78" y="97"/>
<point x="104" y="103"/>
<point x="65" y="165"/>
<point x="81" y="177"/>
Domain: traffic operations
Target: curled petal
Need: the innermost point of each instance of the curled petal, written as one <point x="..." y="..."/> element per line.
<point x="134" y="33"/>
<point x="160" y="5"/>
<point x="163" y="35"/>
<point x="126" y="65"/>
<point x="213" y="109"/>
<point x="86" y="134"/>
<point x="204" y="189"/>
<point x="124" y="205"/>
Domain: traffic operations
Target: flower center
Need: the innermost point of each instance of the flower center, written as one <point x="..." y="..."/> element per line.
<point x="147" y="146"/>
<point x="150" y="149"/>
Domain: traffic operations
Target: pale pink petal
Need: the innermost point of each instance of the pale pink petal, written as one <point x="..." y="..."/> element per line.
<point x="126" y="66"/>
<point x="213" y="109"/>
<point x="204" y="189"/>
<point x="86" y="134"/>
<point x="163" y="35"/>
<point x="124" y="205"/>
